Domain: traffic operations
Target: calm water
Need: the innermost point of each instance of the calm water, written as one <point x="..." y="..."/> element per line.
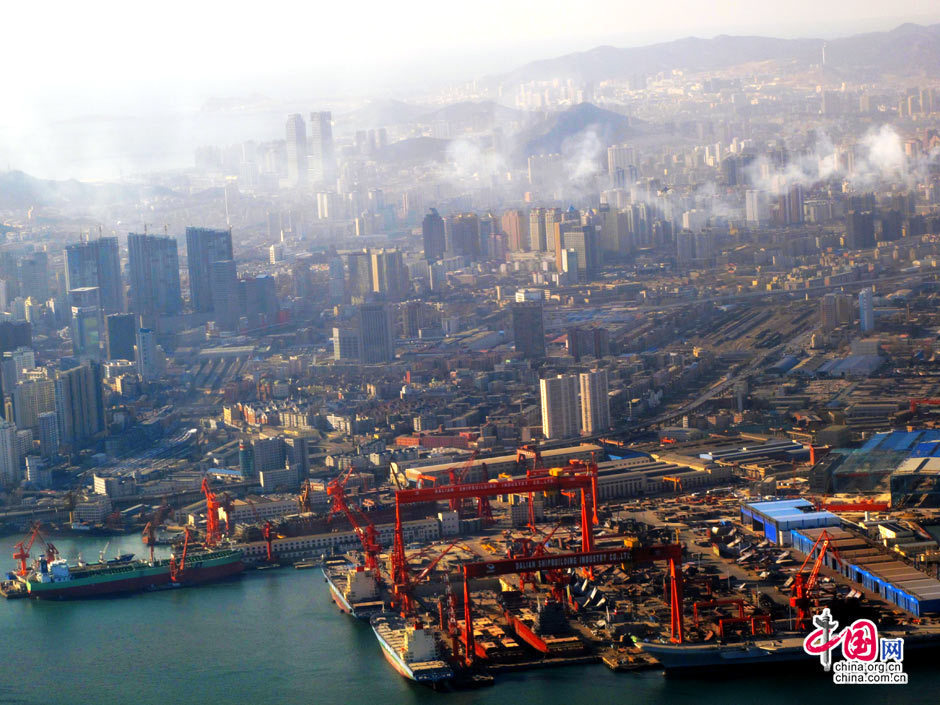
<point x="275" y="637"/>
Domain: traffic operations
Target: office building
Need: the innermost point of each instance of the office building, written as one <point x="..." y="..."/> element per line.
<point x="87" y="330"/>
<point x="223" y="278"/>
<point x="360" y="273"/>
<point x="148" y="359"/>
<point x="621" y="163"/>
<point x="79" y="404"/>
<point x="755" y="208"/>
<point x="866" y="310"/>
<point x="33" y="275"/>
<point x="859" y="230"/>
<point x="121" y="336"/>
<point x="322" y="162"/>
<point x="296" y="137"/>
<point x="528" y="328"/>
<point x="96" y="263"/>
<point x="432" y="230"/>
<point x="583" y="239"/>
<point x="154" y="274"/>
<point x="515" y="225"/>
<point x="462" y="235"/>
<point x="834" y="311"/>
<point x="559" y="399"/>
<point x="389" y="274"/>
<point x="31" y="398"/>
<point x="595" y="403"/>
<point x="538" y="238"/>
<point x="203" y="247"/>
<point x="9" y="459"/>
<point x="375" y="334"/>
<point x="346" y="343"/>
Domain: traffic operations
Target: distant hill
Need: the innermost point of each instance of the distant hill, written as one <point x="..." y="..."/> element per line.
<point x="417" y="149"/>
<point x="20" y="190"/>
<point x="909" y="48"/>
<point x="469" y="112"/>
<point x="552" y="134"/>
<point x="381" y="113"/>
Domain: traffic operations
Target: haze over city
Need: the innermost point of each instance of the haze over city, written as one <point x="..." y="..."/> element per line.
<point x="562" y="353"/>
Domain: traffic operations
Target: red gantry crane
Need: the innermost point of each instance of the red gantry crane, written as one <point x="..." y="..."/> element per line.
<point x="672" y="553"/>
<point x="586" y="483"/>
<point x="803" y="586"/>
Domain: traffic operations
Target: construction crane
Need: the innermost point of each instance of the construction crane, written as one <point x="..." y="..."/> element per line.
<point x="803" y="586"/>
<point x="149" y="534"/>
<point x="268" y="537"/>
<point x="923" y="402"/>
<point x="457" y="478"/>
<point x="177" y="569"/>
<point x="213" y="532"/>
<point x="367" y="534"/>
<point x="22" y="549"/>
<point x="303" y="501"/>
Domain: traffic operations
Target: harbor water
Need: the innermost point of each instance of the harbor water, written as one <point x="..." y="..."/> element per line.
<point x="274" y="637"/>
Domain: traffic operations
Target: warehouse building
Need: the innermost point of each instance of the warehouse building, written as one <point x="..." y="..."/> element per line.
<point x="776" y="519"/>
<point x="873" y="569"/>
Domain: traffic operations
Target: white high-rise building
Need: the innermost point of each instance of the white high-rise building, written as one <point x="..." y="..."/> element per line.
<point x="866" y="310"/>
<point x="9" y="460"/>
<point x="148" y="361"/>
<point x="559" y="397"/>
<point x="595" y="403"/>
<point x="48" y="434"/>
<point x="755" y="208"/>
<point x="296" y="150"/>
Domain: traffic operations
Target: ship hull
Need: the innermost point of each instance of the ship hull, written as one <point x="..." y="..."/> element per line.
<point x="431" y="677"/>
<point x="141" y="579"/>
<point x="344" y="605"/>
<point x="697" y="659"/>
<point x="524" y="632"/>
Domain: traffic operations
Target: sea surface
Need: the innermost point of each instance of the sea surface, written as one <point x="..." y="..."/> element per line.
<point x="274" y="637"/>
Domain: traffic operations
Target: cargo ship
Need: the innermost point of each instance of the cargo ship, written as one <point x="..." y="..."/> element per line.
<point x="411" y="649"/>
<point x="353" y="588"/>
<point x="57" y="580"/>
<point x="545" y="629"/>
<point x="692" y="658"/>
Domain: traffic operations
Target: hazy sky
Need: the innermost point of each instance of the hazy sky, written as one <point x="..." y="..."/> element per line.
<point x="63" y="60"/>
<point x="115" y="52"/>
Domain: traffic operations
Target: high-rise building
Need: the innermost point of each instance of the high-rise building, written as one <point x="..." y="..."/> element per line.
<point x="515" y="225"/>
<point x="33" y="275"/>
<point x="755" y="208"/>
<point x="96" y="263"/>
<point x="360" y="273"/>
<point x="538" y="238"/>
<point x="154" y="273"/>
<point x="87" y="329"/>
<point x="121" y="336"/>
<point x="48" y="434"/>
<point x="223" y="277"/>
<point x="432" y="230"/>
<point x="462" y="234"/>
<point x="834" y="310"/>
<point x="296" y="151"/>
<point x="9" y="459"/>
<point x="375" y="334"/>
<point x="203" y="247"/>
<point x="246" y="460"/>
<point x="322" y="166"/>
<point x="148" y="361"/>
<point x="389" y="274"/>
<point x="595" y="403"/>
<point x="866" y="310"/>
<point x="859" y="230"/>
<point x="591" y="342"/>
<point x="559" y="397"/>
<point x="31" y="398"/>
<point x="620" y="159"/>
<point x="79" y="402"/>
<point x="582" y="239"/>
<point x="528" y="328"/>
<point x="346" y="343"/>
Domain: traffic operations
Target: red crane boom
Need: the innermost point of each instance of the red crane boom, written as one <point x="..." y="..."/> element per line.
<point x="213" y="532"/>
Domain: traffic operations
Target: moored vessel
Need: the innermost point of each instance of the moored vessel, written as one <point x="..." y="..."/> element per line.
<point x="411" y="649"/>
